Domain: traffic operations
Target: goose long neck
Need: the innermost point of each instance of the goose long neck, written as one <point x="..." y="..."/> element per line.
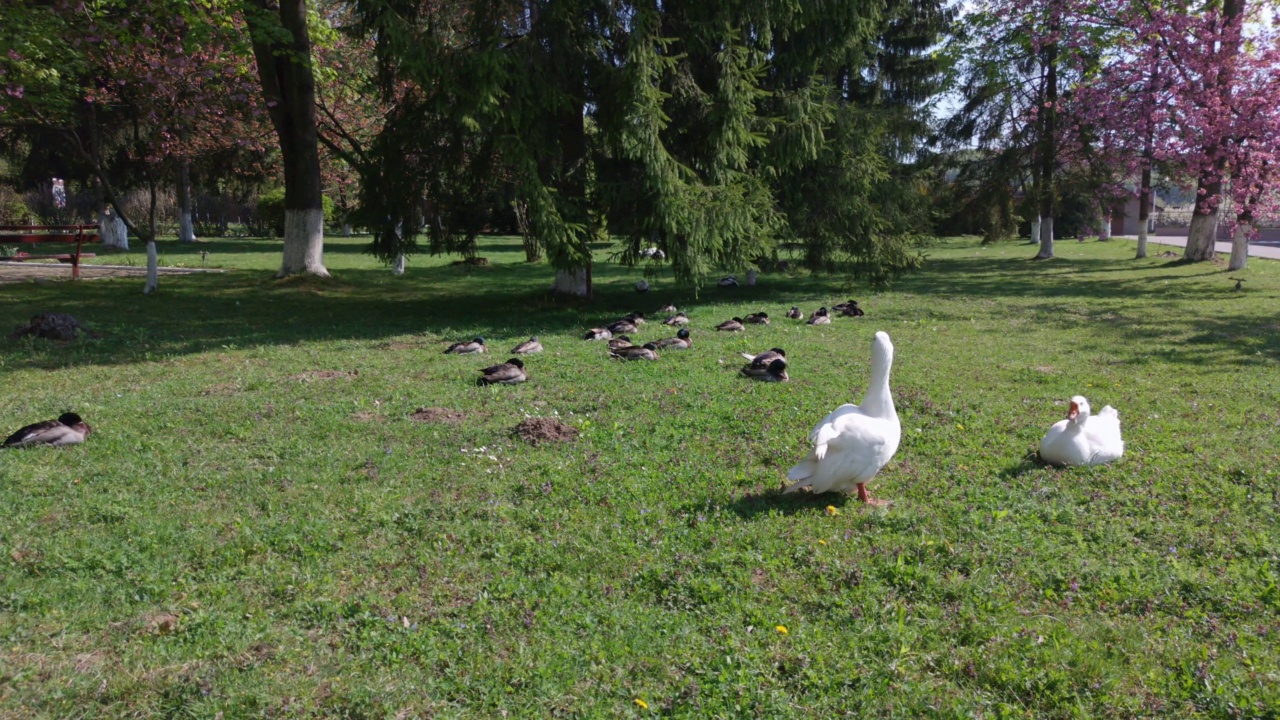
<point x="879" y="401"/>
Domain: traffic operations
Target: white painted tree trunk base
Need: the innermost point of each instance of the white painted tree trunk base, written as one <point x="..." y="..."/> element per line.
<point x="1035" y="229"/>
<point x="346" y="229"/>
<point x="153" y="269"/>
<point x="1046" y="239"/>
<point x="186" y="229"/>
<point x="1201" y="236"/>
<point x="115" y="234"/>
<point x="751" y="277"/>
<point x="398" y="267"/>
<point x="571" y="282"/>
<point x="1104" y="228"/>
<point x="1240" y="246"/>
<point x="1142" y="240"/>
<point x="303" y="243"/>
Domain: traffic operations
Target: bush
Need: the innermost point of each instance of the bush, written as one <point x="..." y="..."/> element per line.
<point x="13" y="209"/>
<point x="271" y="210"/>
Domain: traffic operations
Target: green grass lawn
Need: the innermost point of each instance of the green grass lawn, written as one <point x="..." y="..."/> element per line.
<point x="243" y="536"/>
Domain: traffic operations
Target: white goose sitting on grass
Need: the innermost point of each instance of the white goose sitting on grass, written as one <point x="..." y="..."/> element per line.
<point x="1083" y="438"/>
<point x="853" y="442"/>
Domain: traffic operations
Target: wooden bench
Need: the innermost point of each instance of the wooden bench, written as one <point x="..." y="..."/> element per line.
<point x="34" y="234"/>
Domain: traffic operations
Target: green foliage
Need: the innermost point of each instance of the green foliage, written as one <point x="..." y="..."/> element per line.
<point x="693" y="127"/>
<point x="271" y="209"/>
<point x="323" y="555"/>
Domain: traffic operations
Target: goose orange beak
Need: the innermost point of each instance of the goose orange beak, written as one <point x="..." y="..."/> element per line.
<point x="1073" y="412"/>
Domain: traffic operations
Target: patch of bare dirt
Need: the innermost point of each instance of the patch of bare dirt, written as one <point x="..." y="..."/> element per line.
<point x="161" y="623"/>
<point x="437" y="415"/>
<point x="364" y="416"/>
<point x="1046" y="369"/>
<point x="550" y="430"/>
<point x="312" y="375"/>
<point x="221" y="389"/>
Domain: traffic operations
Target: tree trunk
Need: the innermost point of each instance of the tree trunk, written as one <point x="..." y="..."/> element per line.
<point x="1144" y="212"/>
<point x="186" y="229"/>
<point x="1046" y="239"/>
<point x="573" y="281"/>
<point x="1035" y="229"/>
<point x="751" y="277"/>
<point x="1203" y="232"/>
<point x="153" y="269"/>
<point x="288" y="86"/>
<point x="398" y="268"/>
<point x="1048" y="143"/>
<point x="112" y="230"/>
<point x="1104" y="224"/>
<point x="1240" y="244"/>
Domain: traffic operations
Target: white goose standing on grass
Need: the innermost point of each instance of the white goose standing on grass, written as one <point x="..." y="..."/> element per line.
<point x="1083" y="438"/>
<point x="853" y="442"/>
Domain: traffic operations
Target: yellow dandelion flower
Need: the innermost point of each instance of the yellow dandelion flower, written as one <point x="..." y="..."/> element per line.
<point x="781" y="628"/>
<point x="643" y="705"/>
<point x="831" y="510"/>
<point x="822" y="542"/>
<point x="959" y="426"/>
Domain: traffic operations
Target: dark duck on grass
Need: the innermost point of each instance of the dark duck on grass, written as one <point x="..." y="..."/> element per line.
<point x="773" y="371"/>
<point x="646" y="352"/>
<point x="794" y="313"/>
<point x="68" y="429"/>
<point x="532" y="345"/>
<point x="681" y="341"/>
<point x="622" y="341"/>
<point x="510" y="372"/>
<point x="734" y="325"/>
<point x="470" y="347"/>
<point x="820" y="318"/>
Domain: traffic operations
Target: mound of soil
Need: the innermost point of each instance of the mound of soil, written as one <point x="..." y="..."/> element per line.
<point x="437" y="415"/>
<point x="52" y="326"/>
<point x="540" y="430"/>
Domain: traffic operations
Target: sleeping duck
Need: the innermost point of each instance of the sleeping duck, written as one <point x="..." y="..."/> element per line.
<point x="760" y="318"/>
<point x="68" y="429"/>
<point x="1083" y="439"/>
<point x="668" y="308"/>
<point x="820" y="318"/>
<point x="766" y="357"/>
<point x="625" y="325"/>
<point x="852" y="310"/>
<point x="677" y="319"/>
<point x="598" y="334"/>
<point x="728" y="281"/>
<point x="681" y="341"/>
<point x="634" y="316"/>
<point x="734" y="325"/>
<point x="510" y="372"/>
<point x="773" y="371"/>
<point x="619" y="342"/>
<point x="648" y="351"/>
<point x="528" y="346"/>
<point x="471" y="347"/>
<point x="794" y="313"/>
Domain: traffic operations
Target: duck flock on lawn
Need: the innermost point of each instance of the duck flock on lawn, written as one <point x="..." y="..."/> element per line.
<point x="850" y="445"/>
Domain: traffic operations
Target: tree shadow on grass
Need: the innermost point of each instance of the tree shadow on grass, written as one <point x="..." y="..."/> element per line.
<point x="508" y="300"/>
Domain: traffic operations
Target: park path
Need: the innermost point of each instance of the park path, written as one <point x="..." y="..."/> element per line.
<point x="1268" y="250"/>
<point x="14" y="272"/>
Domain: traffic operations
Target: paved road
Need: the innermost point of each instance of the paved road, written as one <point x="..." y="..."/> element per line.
<point x="1269" y="250"/>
